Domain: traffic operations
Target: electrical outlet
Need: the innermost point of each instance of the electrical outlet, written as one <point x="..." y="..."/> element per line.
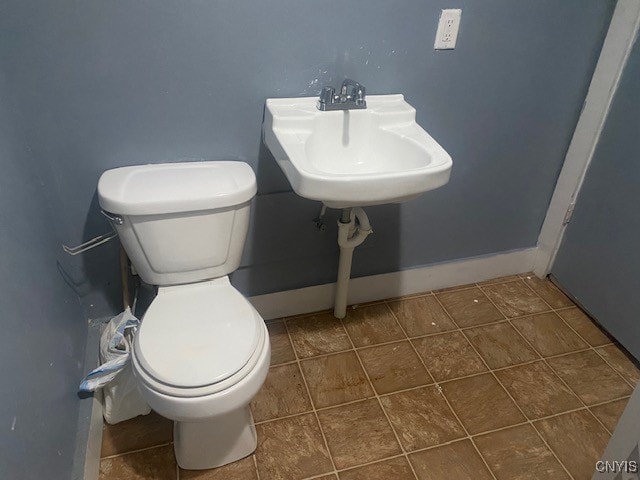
<point x="448" y="27"/>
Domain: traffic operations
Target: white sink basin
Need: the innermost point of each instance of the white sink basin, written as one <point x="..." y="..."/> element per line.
<point x="354" y="157"/>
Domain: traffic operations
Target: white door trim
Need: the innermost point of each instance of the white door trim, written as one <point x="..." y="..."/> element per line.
<point x="620" y="38"/>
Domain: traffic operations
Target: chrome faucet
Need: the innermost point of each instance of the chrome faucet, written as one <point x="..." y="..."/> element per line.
<point x="351" y="97"/>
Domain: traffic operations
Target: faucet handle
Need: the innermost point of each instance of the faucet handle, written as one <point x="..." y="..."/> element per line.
<point x="351" y="96"/>
<point x="359" y="94"/>
<point x="327" y="95"/>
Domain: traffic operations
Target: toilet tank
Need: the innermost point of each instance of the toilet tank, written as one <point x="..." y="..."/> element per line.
<point x="180" y="222"/>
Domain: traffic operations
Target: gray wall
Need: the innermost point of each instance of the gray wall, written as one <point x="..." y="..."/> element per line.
<point x="43" y="329"/>
<point x="110" y="83"/>
<point x="598" y="261"/>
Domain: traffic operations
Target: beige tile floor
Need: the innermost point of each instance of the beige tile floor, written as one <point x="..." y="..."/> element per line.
<point x="505" y="379"/>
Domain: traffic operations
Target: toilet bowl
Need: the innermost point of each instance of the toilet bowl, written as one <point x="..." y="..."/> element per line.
<point x="201" y="354"/>
<point x="202" y="351"/>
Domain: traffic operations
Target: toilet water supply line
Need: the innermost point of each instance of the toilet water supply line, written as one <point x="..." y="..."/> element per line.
<point x="353" y="229"/>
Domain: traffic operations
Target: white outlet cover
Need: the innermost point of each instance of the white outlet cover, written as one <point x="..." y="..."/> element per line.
<point x="448" y="27"/>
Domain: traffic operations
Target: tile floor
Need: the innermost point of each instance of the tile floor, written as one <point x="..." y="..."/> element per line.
<point x="505" y="379"/>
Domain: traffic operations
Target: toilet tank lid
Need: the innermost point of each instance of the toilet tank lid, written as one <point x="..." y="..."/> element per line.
<point x="175" y="187"/>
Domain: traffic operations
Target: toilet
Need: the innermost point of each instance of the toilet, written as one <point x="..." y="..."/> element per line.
<point x="202" y="351"/>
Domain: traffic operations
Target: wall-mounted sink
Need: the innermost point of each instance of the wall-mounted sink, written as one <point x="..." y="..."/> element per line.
<point x="354" y="157"/>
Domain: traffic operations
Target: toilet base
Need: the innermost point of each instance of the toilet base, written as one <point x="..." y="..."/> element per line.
<point x="216" y="442"/>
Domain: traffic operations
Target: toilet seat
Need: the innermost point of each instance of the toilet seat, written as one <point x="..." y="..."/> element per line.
<point x="197" y="339"/>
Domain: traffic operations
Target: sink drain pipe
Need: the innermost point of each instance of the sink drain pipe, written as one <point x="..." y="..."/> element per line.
<point x="353" y="229"/>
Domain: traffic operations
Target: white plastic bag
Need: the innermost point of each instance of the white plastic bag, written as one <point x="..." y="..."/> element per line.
<point x="122" y="400"/>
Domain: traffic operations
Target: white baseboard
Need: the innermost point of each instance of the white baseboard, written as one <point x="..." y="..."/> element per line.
<point x="86" y="463"/>
<point x="395" y="284"/>
<point x="94" y="443"/>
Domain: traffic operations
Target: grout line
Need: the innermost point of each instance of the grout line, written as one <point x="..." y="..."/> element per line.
<point x="599" y="404"/>
<point x="505" y="318"/>
<point x="560" y="355"/>
<point x="466" y="286"/>
<point x="547" y="417"/>
<point x="590" y="348"/>
<point x="290" y="362"/>
<point x="461" y="330"/>
<point x="370" y="303"/>
<point x="508" y="393"/>
<point x="488" y="370"/>
<point x="584" y="339"/>
<point x="373" y="462"/>
<point x="499" y="280"/>
<point x="457" y="329"/>
<point x="393" y="430"/>
<point x="432" y="447"/>
<point x="412" y="339"/>
<point x="440" y="388"/>
<point x="529" y="277"/>
<point x="611" y="365"/>
<point x="595" y="349"/>
<point x="136" y="451"/>
<point x="585" y="407"/>
<point x="313" y="405"/>
<point x="301" y="315"/>
<point x="542" y="358"/>
<point x="405" y="454"/>
<point x="321" y="409"/>
<point x="366" y="464"/>
<point x="436" y="385"/>
<point x="289" y="341"/>
<point x="255" y="466"/>
<point x="552" y="370"/>
<point x="562" y="309"/>
<point x="510" y="320"/>
<point x="484" y="432"/>
<point x="321" y="475"/>
<point x="480" y="325"/>
<point x="525" y="315"/>
<point x="412" y="296"/>
<point x="604" y="403"/>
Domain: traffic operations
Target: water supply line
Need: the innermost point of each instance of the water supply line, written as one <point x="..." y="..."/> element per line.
<point x="353" y="229"/>
<point x="124" y="277"/>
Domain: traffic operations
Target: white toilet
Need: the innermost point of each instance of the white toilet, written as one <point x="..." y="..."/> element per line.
<point x="202" y="351"/>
